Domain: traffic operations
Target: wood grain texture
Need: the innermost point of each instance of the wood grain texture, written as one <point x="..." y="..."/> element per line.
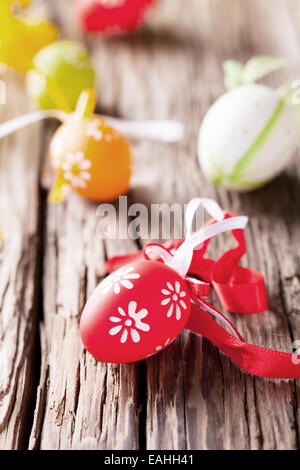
<point x="53" y="395"/>
<point x="19" y="266"/>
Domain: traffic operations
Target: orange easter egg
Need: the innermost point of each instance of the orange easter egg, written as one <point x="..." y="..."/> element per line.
<point x="92" y="158"/>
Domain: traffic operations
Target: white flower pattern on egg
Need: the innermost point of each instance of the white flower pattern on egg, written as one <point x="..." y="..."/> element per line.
<point x="92" y="130"/>
<point x="76" y="169"/>
<point x="123" y="277"/>
<point x="129" y="323"/>
<point x="160" y="348"/>
<point x="174" y="299"/>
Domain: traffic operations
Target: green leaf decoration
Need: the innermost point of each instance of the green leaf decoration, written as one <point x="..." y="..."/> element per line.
<point x="59" y="190"/>
<point x="256" y="68"/>
<point x="233" y="71"/>
<point x="290" y="93"/>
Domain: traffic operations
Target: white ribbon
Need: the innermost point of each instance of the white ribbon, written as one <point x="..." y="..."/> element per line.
<point x="161" y="252"/>
<point x="210" y="309"/>
<point x="211" y="206"/>
<point x="159" y="131"/>
<point x="182" y="259"/>
<point x="18" y="123"/>
<point x="184" y="254"/>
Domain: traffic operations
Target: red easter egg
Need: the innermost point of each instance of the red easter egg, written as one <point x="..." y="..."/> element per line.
<point x="110" y="16"/>
<point x="135" y="312"/>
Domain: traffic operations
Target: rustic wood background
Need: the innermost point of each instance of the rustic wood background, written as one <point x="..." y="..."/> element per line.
<point x="53" y="395"/>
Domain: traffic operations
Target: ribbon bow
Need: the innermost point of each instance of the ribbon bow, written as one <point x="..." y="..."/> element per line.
<point x="240" y="290"/>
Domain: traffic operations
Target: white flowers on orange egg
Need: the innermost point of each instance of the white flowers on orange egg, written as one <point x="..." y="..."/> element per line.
<point x="250" y="134"/>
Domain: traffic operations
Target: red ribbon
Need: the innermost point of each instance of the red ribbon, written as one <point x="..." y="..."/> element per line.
<point x="252" y="359"/>
<point x="240" y="290"/>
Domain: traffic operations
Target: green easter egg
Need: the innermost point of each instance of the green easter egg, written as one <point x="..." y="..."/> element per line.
<point x="68" y="64"/>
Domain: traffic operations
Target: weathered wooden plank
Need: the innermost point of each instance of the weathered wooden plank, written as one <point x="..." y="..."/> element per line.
<point x="82" y="404"/>
<point x="218" y="407"/>
<point x="19" y="270"/>
<point x="273" y="223"/>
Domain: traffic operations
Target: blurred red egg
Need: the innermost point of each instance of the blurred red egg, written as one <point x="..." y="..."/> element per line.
<point x="111" y="16"/>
